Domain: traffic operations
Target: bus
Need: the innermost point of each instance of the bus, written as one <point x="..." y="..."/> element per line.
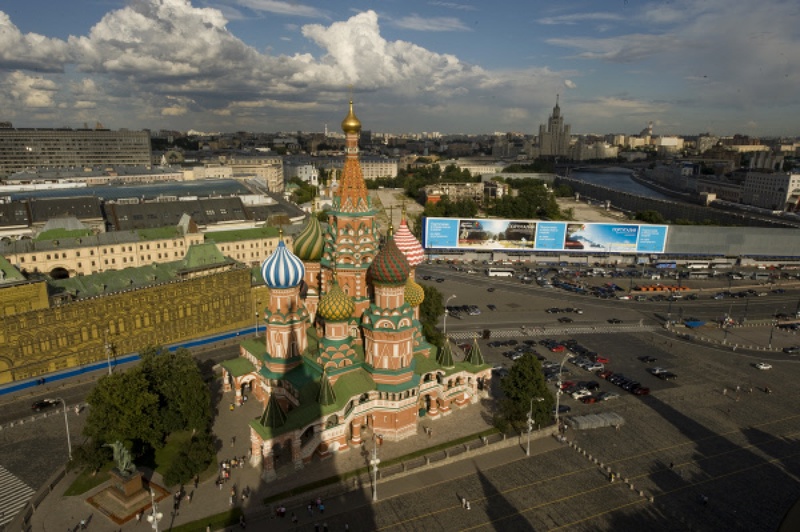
<point x="500" y="272"/>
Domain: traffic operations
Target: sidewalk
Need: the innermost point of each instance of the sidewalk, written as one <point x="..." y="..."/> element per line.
<point x="57" y="511"/>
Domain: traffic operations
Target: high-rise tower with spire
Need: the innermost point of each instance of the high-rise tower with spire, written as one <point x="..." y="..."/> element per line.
<point x="554" y="138"/>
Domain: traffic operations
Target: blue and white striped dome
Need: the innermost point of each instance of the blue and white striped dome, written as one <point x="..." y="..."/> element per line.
<point x="282" y="269"/>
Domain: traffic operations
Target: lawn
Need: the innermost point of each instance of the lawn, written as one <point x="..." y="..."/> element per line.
<point x="87" y="481"/>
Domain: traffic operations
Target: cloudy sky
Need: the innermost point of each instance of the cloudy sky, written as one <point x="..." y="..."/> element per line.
<point x="462" y="66"/>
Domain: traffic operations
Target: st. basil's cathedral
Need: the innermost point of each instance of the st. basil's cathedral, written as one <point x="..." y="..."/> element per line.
<point x="344" y="353"/>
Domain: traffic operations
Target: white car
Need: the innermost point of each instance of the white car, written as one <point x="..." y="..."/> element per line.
<point x="763" y="365"/>
<point x="580" y="393"/>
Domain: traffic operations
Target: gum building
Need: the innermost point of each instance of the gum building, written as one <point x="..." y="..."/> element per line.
<point x="343" y="358"/>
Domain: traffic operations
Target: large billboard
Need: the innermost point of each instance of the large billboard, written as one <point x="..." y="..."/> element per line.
<point x="536" y="235"/>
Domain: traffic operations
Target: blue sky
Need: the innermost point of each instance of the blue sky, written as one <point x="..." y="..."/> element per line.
<point x="464" y="66"/>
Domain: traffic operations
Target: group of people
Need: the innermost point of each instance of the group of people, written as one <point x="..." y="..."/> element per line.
<point x="318" y="504"/>
<point x="225" y="469"/>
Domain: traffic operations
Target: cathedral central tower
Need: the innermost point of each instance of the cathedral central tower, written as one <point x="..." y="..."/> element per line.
<point x="351" y="240"/>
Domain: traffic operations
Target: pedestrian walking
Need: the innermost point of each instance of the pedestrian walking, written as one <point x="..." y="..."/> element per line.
<point x="321" y="508"/>
<point x="138" y="517"/>
<point x="196" y="481"/>
<point x="310" y="509"/>
<point x="468" y="506"/>
<point x="346" y="527"/>
<point x="324" y="527"/>
<point x="233" y="441"/>
<point x="242" y="523"/>
<point x="463" y="502"/>
<point x="671" y="465"/>
<point x="294" y="519"/>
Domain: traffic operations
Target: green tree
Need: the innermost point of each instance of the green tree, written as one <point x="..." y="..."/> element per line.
<point x="525" y="382"/>
<point x="430" y="311"/>
<point x="123" y="407"/>
<point x="651" y="217"/>
<point x="193" y="457"/>
<point x="187" y="406"/>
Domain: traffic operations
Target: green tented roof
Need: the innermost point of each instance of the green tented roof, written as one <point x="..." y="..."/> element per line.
<point x="55" y="234"/>
<point x="445" y="358"/>
<point x="238" y="366"/>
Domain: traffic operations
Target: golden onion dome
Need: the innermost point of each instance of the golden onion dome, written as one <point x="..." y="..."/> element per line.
<point x="351" y="124"/>
<point x="336" y="305"/>
<point x="414" y="293"/>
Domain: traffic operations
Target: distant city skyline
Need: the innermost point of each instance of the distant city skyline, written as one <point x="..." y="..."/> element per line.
<point x="450" y="67"/>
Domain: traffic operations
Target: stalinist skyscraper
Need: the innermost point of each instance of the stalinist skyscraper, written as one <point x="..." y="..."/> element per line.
<point x="554" y="138"/>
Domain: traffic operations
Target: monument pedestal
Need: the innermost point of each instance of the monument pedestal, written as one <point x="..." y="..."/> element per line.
<point x="126" y="487"/>
<point x="127" y="495"/>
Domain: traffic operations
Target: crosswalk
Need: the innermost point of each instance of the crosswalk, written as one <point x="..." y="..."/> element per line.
<point x="14" y="494"/>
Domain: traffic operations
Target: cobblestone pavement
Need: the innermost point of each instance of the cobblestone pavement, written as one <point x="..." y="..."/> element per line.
<point x="693" y="438"/>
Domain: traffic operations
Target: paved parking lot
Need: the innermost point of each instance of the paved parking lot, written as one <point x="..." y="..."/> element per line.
<point x="686" y="443"/>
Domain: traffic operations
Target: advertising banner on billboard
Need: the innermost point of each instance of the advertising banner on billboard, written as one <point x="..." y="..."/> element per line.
<point x="536" y="235"/>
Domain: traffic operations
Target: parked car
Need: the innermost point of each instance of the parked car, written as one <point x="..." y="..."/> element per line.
<point x="647" y="359"/>
<point x="763" y="365"/>
<point x="595" y="366"/>
<point x="607" y="396"/>
<point x="657" y="370"/>
<point x="640" y="390"/>
<point x="562" y="409"/>
<point x="667" y="376"/>
<point x="578" y="394"/>
<point x="44" y="404"/>
<point x="605" y="374"/>
<point x="793" y="349"/>
<point x="589" y="399"/>
<point x="491" y="307"/>
<point x="614" y="320"/>
<point x="565" y="320"/>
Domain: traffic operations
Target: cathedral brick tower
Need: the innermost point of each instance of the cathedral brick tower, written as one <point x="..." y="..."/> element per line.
<point x="286" y="316"/>
<point x="351" y="240"/>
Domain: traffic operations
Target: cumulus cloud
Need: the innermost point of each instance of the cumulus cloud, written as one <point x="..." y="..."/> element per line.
<point x="568" y="83"/>
<point x="30" y="91"/>
<point x="30" y="51"/>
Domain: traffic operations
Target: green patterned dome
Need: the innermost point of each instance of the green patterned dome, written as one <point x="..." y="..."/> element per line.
<point x="414" y="294"/>
<point x="336" y="305"/>
<point x="390" y="265"/>
<point x="309" y="243"/>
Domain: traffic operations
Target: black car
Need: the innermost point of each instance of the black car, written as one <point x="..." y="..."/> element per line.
<point x="490" y="289"/>
<point x="647" y="359"/>
<point x="44" y="404"/>
<point x="562" y="409"/>
<point x="565" y="320"/>
<point x="439" y="280"/>
<point x="491" y="307"/>
<point x="792" y="349"/>
<point x="614" y="320"/>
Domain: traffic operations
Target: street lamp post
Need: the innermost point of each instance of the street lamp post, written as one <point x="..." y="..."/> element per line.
<point x="374" y="463"/>
<point x="558" y="392"/>
<point x="772" y="328"/>
<point x="445" y="315"/>
<point x="155" y="516"/>
<point x="530" y="423"/>
<point x="256" y="323"/>
<point x="107" y="347"/>
<point x="66" y="424"/>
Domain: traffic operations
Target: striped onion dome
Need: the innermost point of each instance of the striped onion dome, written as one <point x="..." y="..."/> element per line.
<point x="309" y="243"/>
<point x="390" y="266"/>
<point x="282" y="269"/>
<point x="336" y="305"/>
<point x="414" y="293"/>
<point x="409" y="245"/>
